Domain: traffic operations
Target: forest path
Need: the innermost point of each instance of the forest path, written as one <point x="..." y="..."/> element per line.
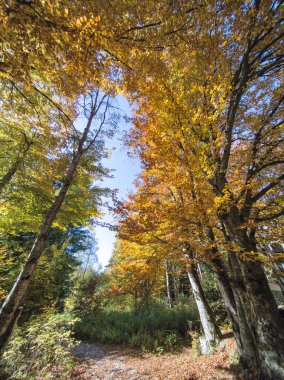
<point x="105" y="362"/>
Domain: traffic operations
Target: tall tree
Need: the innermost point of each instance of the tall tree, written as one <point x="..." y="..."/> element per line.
<point x="137" y="271"/>
<point x="161" y="214"/>
<point x="215" y="88"/>
<point x="96" y="110"/>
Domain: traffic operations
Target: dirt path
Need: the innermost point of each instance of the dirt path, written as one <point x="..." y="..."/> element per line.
<point x="103" y="362"/>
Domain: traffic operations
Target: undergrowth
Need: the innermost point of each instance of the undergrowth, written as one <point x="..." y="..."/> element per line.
<point x="41" y="349"/>
<point x="157" y="330"/>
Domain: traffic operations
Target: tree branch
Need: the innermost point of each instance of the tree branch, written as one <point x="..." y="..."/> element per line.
<point x="265" y="190"/>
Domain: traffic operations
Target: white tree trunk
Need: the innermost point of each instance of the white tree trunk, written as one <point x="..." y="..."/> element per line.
<point x="210" y="329"/>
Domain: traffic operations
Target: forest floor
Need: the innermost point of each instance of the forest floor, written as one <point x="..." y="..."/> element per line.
<point x="105" y="362"/>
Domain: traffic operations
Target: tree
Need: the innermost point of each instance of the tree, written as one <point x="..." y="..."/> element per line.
<point x="159" y="215"/>
<point x="214" y="90"/>
<point x="53" y="279"/>
<point x="97" y="112"/>
<point x="137" y="271"/>
<point x="205" y="82"/>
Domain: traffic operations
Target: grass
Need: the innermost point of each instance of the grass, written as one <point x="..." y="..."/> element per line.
<point x="158" y="329"/>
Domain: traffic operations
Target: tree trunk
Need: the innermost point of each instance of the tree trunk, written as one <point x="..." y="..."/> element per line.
<point x="16" y="295"/>
<point x="175" y="286"/>
<point x="245" y="344"/>
<point x="4" y="181"/>
<point x="168" y="284"/>
<point x="9" y="175"/>
<point x="211" y="331"/>
<point x="259" y="306"/>
<point x="248" y="353"/>
<point x="11" y="306"/>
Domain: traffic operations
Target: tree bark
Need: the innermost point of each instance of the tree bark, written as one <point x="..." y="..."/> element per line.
<point x="259" y="306"/>
<point x="211" y="331"/>
<point x="168" y="284"/>
<point x="248" y="353"/>
<point x="244" y="339"/>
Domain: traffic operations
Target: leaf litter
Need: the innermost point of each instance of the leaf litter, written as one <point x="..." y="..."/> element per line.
<point x="106" y="362"/>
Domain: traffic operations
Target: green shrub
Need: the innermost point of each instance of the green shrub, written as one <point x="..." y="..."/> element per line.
<point x="158" y="329"/>
<point x="213" y="295"/>
<point x="158" y="342"/>
<point x="41" y="349"/>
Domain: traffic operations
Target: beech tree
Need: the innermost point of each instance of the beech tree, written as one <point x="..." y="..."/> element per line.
<point x="215" y="87"/>
<point x="158" y="215"/>
<point x="205" y="82"/>
<point x="137" y="271"/>
<point x="96" y="108"/>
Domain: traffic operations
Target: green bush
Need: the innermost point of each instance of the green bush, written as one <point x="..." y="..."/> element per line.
<point x="158" y="342"/>
<point x="41" y="349"/>
<point x="158" y="329"/>
<point x="213" y="296"/>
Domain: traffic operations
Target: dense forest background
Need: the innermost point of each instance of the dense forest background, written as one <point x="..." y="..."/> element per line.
<point x="199" y="244"/>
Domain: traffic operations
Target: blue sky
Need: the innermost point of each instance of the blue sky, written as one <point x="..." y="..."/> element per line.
<point x="124" y="172"/>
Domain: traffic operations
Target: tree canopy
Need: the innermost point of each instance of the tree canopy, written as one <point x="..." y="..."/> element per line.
<point x="204" y="79"/>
